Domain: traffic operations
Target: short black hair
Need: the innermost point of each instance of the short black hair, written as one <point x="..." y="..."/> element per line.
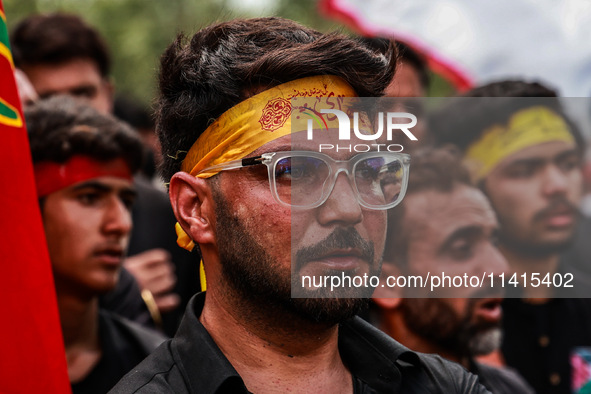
<point x="56" y="39"/>
<point x="61" y="127"/>
<point x="225" y="63"/>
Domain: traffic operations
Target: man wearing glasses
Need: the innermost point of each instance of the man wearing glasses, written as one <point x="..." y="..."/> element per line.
<point x="244" y="187"/>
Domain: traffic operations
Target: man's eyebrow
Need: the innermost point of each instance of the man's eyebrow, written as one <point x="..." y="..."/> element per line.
<point x="565" y="154"/>
<point x="285" y="148"/>
<point x="527" y="162"/>
<point x="82" y="89"/>
<point x="48" y="94"/>
<point x="539" y="160"/>
<point x="99" y="186"/>
<point x="94" y="185"/>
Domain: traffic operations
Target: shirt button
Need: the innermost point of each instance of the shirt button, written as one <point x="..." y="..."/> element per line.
<point x="555" y="379"/>
<point x="544" y="341"/>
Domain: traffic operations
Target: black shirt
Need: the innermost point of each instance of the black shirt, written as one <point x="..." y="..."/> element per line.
<point x="192" y="363"/>
<point x="500" y="380"/>
<point x="539" y="338"/>
<point x="126" y="300"/>
<point x="123" y="344"/>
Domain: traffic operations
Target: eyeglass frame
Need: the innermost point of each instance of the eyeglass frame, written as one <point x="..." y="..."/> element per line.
<point x="270" y="159"/>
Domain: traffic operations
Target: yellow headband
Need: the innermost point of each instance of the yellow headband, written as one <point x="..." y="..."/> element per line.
<point x="528" y="127"/>
<point x="251" y="124"/>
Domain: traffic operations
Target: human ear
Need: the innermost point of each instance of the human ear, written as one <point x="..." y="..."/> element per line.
<point x="192" y="203"/>
<point x="388" y="297"/>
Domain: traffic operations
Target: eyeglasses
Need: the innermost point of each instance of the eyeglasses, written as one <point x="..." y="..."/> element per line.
<point x="304" y="179"/>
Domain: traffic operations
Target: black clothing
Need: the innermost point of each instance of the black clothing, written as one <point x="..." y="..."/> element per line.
<point x="153" y="227"/>
<point x="500" y="380"/>
<point x="124" y="344"/>
<point x="578" y="253"/>
<point x="538" y="340"/>
<point x="193" y="363"/>
<point x="126" y="300"/>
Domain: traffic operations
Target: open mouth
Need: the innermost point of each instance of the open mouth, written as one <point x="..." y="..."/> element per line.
<point x="489" y="310"/>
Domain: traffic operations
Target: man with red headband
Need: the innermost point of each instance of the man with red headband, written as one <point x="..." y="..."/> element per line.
<point x="245" y="187"/>
<point x="61" y="54"/>
<point x="84" y="163"/>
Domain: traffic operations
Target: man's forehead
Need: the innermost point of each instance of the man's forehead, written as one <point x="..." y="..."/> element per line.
<point x="439" y="212"/>
<point x="64" y="76"/>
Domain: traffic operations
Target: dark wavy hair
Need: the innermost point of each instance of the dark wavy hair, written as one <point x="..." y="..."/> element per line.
<point x="58" y="38"/>
<point x="61" y="127"/>
<point x="224" y="64"/>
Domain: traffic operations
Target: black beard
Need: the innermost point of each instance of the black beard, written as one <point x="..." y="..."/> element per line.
<point x="438" y="323"/>
<point x="262" y="285"/>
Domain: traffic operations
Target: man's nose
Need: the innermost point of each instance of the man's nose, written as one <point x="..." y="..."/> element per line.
<point x="342" y="204"/>
<point x="117" y="217"/>
<point x="555" y="181"/>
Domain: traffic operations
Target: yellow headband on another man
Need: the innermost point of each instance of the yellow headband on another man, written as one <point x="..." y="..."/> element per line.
<point x="251" y="124"/>
<point x="525" y="128"/>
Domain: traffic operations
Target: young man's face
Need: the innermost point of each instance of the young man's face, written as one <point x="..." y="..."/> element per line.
<point x="453" y="233"/>
<point x="80" y="78"/>
<point x="258" y="236"/>
<point x="536" y="193"/>
<point x="87" y="227"/>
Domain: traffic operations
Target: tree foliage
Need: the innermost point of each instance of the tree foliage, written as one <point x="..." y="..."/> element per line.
<point x="138" y="31"/>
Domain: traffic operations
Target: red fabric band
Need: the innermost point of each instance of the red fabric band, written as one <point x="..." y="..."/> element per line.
<point x="51" y="177"/>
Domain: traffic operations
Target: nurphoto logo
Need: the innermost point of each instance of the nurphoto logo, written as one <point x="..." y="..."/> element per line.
<point x="392" y="120"/>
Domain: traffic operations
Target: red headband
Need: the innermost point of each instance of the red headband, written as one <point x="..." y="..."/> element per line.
<point x="51" y="177"/>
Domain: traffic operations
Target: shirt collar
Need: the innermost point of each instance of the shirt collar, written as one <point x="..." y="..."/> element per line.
<point x="200" y="360"/>
<point x="370" y="355"/>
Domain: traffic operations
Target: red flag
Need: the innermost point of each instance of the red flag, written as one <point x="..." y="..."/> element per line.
<point x="32" y="356"/>
<point x="476" y="42"/>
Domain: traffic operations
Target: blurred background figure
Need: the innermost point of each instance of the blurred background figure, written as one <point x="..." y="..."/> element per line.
<point x="140" y="118"/>
<point x="445" y="225"/>
<point x="60" y="53"/>
<point x="84" y="163"/>
<point x="526" y="155"/>
<point x="412" y="75"/>
<point x="409" y="86"/>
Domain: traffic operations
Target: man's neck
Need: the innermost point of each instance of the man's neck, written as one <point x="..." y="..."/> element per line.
<point x="276" y="355"/>
<point x="393" y="324"/>
<point x="79" y="321"/>
<point x="522" y="264"/>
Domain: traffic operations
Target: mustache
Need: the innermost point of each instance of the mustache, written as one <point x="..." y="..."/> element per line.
<point x="559" y="203"/>
<point x="340" y="238"/>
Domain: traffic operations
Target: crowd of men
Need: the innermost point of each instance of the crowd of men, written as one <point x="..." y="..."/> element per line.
<point x="492" y="186"/>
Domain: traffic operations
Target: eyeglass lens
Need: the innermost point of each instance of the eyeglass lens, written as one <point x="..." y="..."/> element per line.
<point x="304" y="181"/>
